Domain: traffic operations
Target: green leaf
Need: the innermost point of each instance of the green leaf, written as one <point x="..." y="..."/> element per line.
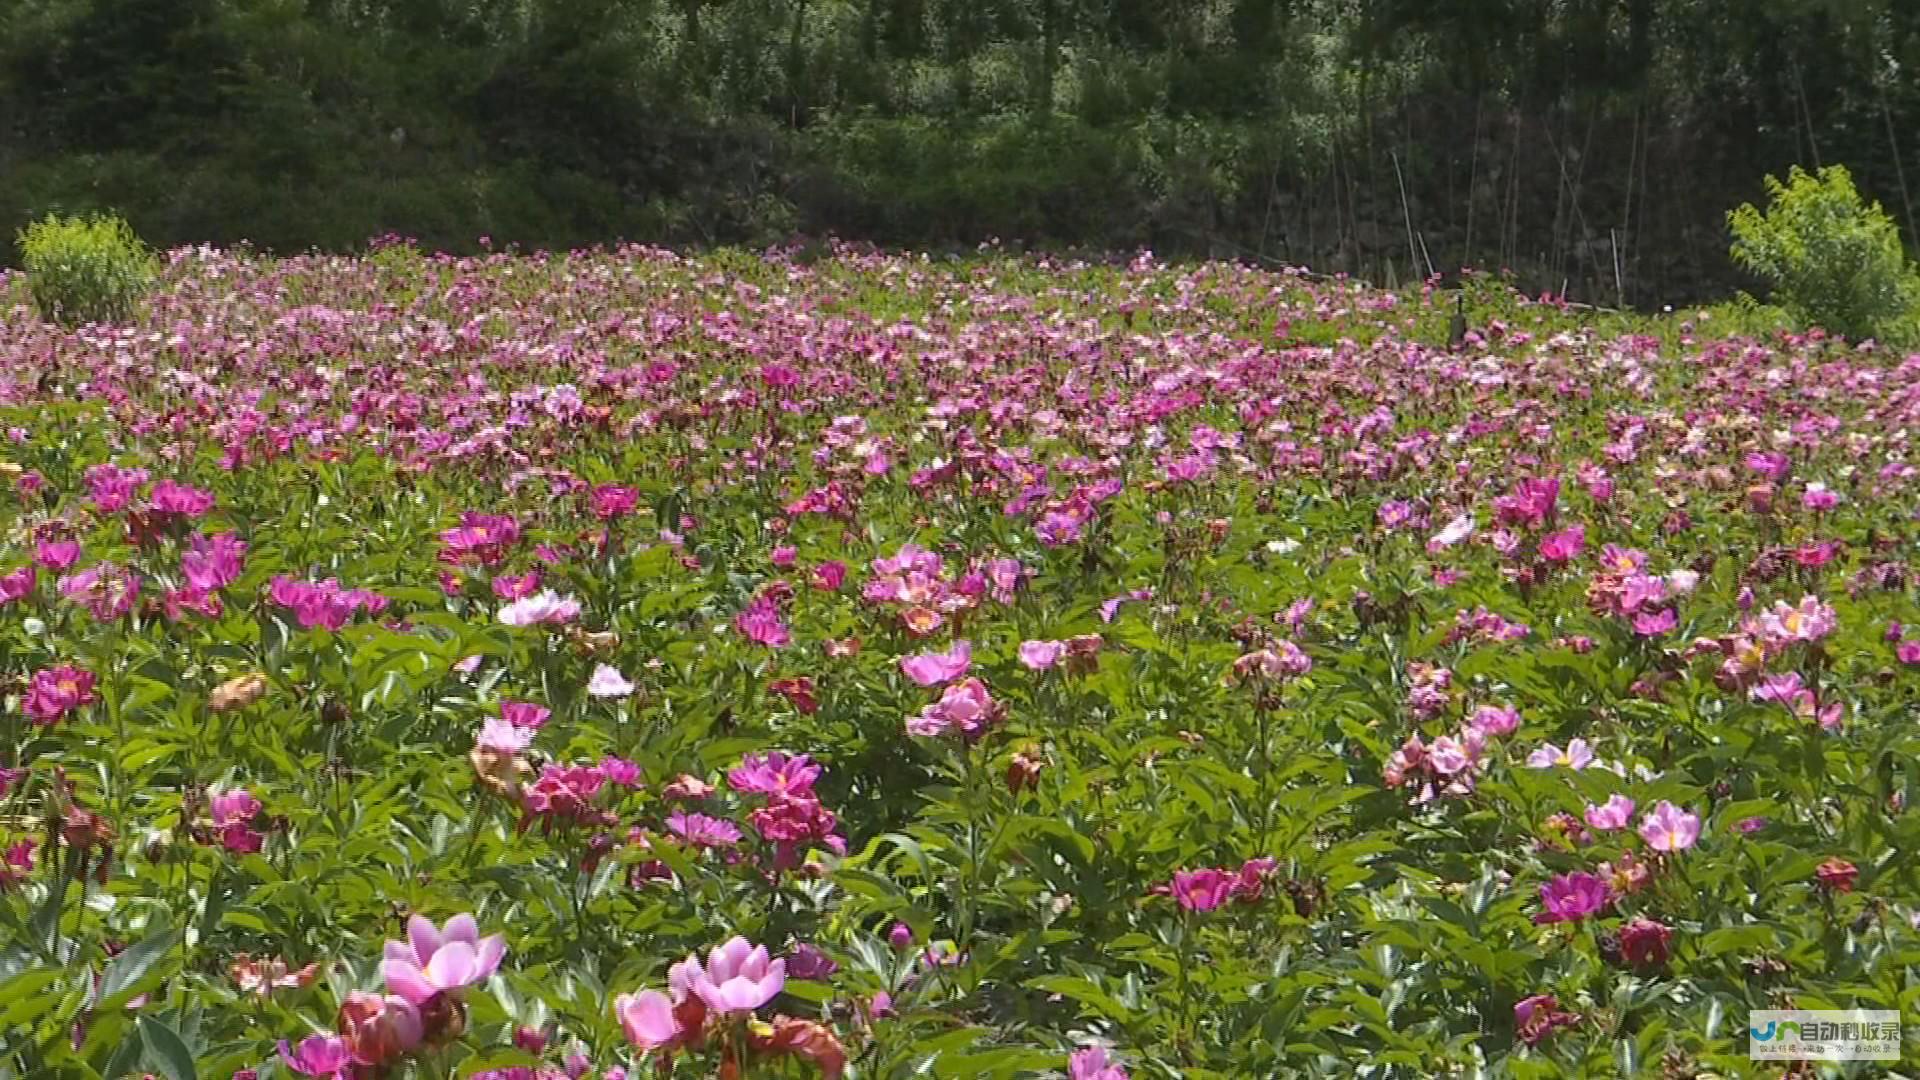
<point x="1084" y="992"/>
<point x="166" y="1051"/>
<point x="124" y="973"/>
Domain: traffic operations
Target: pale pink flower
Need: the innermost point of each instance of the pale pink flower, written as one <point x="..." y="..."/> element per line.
<point x="738" y="977"/>
<point x="933" y="669"/>
<point x="544" y="607"/>
<point x="1041" y="655"/>
<point x="607" y="682"/>
<point x="1668" y="828"/>
<point x="503" y="736"/>
<point x="1577" y="755"/>
<point x="648" y="1019"/>
<point x="435" y="960"/>
<point x="1614" y="814"/>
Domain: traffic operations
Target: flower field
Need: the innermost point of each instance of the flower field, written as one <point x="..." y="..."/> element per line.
<point x="622" y="665"/>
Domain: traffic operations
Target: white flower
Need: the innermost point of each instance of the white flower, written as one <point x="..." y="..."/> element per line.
<point x="544" y="607"/>
<point x="608" y="682"/>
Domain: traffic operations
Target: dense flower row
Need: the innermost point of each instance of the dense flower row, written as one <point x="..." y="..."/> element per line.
<point x="877" y="667"/>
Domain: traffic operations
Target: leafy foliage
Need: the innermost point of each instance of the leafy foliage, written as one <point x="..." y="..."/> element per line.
<point x="1832" y="259"/>
<point x="85" y="269"/>
<point x="1591" y="145"/>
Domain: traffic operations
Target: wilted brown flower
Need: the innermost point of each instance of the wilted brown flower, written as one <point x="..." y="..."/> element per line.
<point x="237" y="692"/>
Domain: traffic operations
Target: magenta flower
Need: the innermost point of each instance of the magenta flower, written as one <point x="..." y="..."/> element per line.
<point x="171" y="498"/>
<point x="1563" y="546"/>
<point x="775" y="773"/>
<point x="1668" y="828"/>
<point x="524" y="714"/>
<point x="18" y="584"/>
<point x="702" y="831"/>
<point x="318" y="1055"/>
<point x="1203" y="889"/>
<point x="543" y="608"/>
<point x="56" y="555"/>
<point x="738" y="977"/>
<point x="614" y="501"/>
<point x="212" y="562"/>
<point x="1653" y="624"/>
<point x="1572" y="897"/>
<point x="933" y="669"/>
<point x="829" y="576"/>
<point x="436" y="960"/>
<point x="520" y="587"/>
<point x="1615" y="814"/>
<point x="1539" y="1016"/>
<point x="1091" y="1063"/>
<point x="323" y="604"/>
<point x="809" y="963"/>
<point x="233" y="807"/>
<point x="55" y="692"/>
<point x="760" y="623"/>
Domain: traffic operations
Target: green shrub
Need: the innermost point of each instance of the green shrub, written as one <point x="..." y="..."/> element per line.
<point x="85" y="269"/>
<point x="1832" y="258"/>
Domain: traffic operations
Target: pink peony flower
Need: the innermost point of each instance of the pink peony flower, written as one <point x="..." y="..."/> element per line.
<point x="379" y="1029"/>
<point x="649" y="1019"/>
<point x="435" y="960"/>
<point x="318" y="1055"/>
<point x="56" y="555"/>
<point x="1577" y="755"/>
<point x="1572" y="897"/>
<point x="1539" y="1016"/>
<point x="761" y="624"/>
<point x="611" y="501"/>
<point x="1616" y="813"/>
<point x="965" y="707"/>
<point x="1091" y="1063"/>
<point x="1203" y="889"/>
<point x="829" y="576"/>
<point x="1041" y="655"/>
<point x="171" y="498"/>
<point x="55" y="692"/>
<point x="510" y="587"/>
<point x="544" y="607"/>
<point x="524" y="714"/>
<point x="738" y="977"/>
<point x="18" y="584"/>
<point x="607" y="682"/>
<point x="1644" y="943"/>
<point x="775" y="773"/>
<point x="1565" y="545"/>
<point x="1492" y="720"/>
<point x="107" y="591"/>
<point x="703" y="831"/>
<point x="1668" y="828"/>
<point x="933" y="669"/>
<point x="503" y="737"/>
